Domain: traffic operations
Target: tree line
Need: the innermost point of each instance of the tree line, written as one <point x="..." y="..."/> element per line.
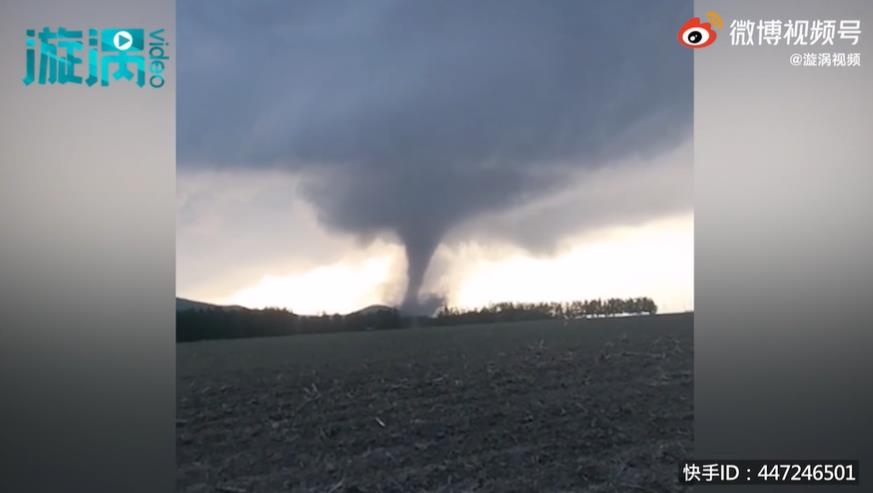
<point x="223" y="323"/>
<point x="510" y="312"/>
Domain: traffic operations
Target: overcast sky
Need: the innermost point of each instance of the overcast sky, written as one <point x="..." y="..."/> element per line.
<point x="333" y="153"/>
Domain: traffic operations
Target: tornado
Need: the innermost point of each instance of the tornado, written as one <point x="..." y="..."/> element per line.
<point x="419" y="243"/>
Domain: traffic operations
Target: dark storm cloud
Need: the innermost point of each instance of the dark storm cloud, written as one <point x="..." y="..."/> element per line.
<point x="412" y="116"/>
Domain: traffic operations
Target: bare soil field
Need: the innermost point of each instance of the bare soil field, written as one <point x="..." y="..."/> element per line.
<point x="584" y="406"/>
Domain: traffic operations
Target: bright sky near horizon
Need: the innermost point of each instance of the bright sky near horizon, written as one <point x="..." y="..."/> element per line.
<point x="651" y="260"/>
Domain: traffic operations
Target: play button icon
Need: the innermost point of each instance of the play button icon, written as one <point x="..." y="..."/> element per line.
<point x="123" y="40"/>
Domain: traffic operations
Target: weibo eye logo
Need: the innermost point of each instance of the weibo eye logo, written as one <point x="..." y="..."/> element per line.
<point x="696" y="34"/>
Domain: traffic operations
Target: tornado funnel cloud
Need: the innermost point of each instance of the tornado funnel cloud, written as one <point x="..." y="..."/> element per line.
<point x="419" y="242"/>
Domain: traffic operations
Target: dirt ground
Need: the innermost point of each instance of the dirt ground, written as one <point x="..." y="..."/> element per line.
<point x="585" y="406"/>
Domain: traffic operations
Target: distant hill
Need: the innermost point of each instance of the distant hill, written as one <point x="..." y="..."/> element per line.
<point x="196" y="320"/>
<point x="183" y="304"/>
<point x="373" y="309"/>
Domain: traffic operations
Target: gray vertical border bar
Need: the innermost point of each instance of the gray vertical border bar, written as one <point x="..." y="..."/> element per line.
<point x="783" y="245"/>
<point x="87" y="232"/>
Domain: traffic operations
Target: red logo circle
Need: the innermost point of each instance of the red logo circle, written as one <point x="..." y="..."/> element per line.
<point x="696" y="34"/>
